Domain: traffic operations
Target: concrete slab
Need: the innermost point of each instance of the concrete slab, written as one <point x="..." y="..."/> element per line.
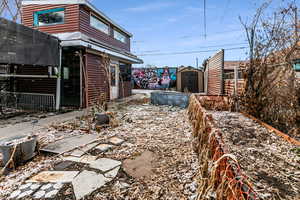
<point x="84" y="159"/>
<point x="116" y="141"/>
<point x="113" y="173"/>
<point x="70" y="143"/>
<point x="87" y="182"/>
<point x="104" y="147"/>
<point x="26" y="128"/>
<point x="53" y="177"/>
<point x="105" y="164"/>
<point x="83" y="150"/>
<point x="140" y="167"/>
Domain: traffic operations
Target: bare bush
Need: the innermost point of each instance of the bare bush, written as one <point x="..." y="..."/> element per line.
<point x="271" y="91"/>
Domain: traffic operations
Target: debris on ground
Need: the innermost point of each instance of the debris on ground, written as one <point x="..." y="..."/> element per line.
<point x="268" y="160"/>
<point x="160" y="135"/>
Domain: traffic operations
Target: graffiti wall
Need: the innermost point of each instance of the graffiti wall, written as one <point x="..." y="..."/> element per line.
<point x="154" y="78"/>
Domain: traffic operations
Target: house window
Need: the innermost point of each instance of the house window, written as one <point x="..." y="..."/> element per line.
<point x="49" y="17"/>
<point x="297" y="65"/>
<point x="119" y="36"/>
<point x="229" y="74"/>
<point x="98" y="24"/>
<point x="113" y="75"/>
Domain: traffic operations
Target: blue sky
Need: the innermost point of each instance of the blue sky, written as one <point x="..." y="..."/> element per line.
<point x="165" y="26"/>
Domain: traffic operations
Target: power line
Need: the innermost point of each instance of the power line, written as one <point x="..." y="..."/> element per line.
<point x="191" y="52"/>
<point x="203" y="47"/>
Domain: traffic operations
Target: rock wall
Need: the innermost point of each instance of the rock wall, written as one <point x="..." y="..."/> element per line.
<point x="220" y="176"/>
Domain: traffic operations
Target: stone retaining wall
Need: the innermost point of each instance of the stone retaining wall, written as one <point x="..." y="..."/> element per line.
<point x="220" y="176"/>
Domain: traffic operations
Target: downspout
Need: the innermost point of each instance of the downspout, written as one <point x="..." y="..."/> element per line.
<point x="58" y="80"/>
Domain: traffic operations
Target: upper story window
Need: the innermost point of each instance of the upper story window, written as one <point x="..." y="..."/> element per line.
<point x="98" y="24"/>
<point x="49" y="17"/>
<point x="297" y="65"/>
<point x="119" y="36"/>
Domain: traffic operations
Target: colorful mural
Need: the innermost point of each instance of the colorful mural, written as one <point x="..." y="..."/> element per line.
<point x="154" y="78"/>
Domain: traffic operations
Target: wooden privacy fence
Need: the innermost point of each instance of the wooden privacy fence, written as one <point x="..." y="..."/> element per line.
<point x="220" y="173"/>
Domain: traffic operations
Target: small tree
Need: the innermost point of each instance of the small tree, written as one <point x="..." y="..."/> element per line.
<point x="270" y="90"/>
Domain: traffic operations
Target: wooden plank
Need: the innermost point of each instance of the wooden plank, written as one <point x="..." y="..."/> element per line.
<point x="272" y="129"/>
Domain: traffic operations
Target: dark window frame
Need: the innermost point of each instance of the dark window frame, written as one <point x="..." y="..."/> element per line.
<point x="99" y="19"/>
<point x="38" y="13"/>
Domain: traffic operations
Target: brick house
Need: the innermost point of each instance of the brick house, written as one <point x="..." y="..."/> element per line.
<point x="90" y="41"/>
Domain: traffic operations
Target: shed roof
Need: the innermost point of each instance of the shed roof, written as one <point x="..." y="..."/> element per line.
<point x="188" y="68"/>
<point x="82" y="2"/>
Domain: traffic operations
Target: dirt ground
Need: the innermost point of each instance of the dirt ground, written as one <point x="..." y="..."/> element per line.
<point x="157" y="146"/>
<point x="270" y="162"/>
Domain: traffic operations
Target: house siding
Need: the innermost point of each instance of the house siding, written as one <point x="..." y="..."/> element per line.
<point x="71" y="18"/>
<point x="125" y="89"/>
<point x="90" y="31"/>
<point x="97" y="86"/>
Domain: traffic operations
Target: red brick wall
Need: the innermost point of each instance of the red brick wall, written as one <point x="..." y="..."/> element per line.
<point x="214" y="73"/>
<point x="229" y="86"/>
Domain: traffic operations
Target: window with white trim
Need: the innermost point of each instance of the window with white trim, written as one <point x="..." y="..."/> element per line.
<point x="119" y="36"/>
<point x="100" y="25"/>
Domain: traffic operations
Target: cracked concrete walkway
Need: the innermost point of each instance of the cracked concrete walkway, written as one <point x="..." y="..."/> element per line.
<point x="26" y="128"/>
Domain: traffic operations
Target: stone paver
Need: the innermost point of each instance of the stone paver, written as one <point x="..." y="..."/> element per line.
<point x="116" y="141"/>
<point x="105" y="164"/>
<point x="87" y="182"/>
<point x="113" y="173"/>
<point x="104" y="147"/>
<point x="49" y="190"/>
<point x="70" y="143"/>
<point x="25" y="190"/>
<point x="81" y="151"/>
<point x="122" y="185"/>
<point x="53" y="177"/>
<point x="63" y="165"/>
<point x="84" y="159"/>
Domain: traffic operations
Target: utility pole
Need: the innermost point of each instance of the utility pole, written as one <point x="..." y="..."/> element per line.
<point x="204" y="18"/>
<point x="197" y="63"/>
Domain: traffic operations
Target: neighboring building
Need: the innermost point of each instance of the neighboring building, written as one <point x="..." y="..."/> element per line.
<point x="89" y="41"/>
<point x="190" y="79"/>
<point x="219" y="75"/>
<point x="229" y="76"/>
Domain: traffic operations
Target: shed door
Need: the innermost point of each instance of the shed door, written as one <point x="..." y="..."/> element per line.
<point x="189" y="82"/>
